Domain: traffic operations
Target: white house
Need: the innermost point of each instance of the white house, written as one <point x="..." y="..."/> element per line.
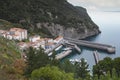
<point x="41" y="42"/>
<point x="3" y="33"/>
<point x="49" y="45"/>
<point x="8" y="36"/>
<point x="18" y="33"/>
<point x="34" y="38"/>
<point x="47" y="40"/>
<point x="59" y="39"/>
<point x="14" y="33"/>
<point x="36" y="45"/>
<point x="23" y="45"/>
<point x="50" y="40"/>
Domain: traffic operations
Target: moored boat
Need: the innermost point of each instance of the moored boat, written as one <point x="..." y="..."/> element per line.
<point x="58" y="47"/>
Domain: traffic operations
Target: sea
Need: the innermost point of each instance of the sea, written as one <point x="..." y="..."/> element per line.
<point x="109" y="25"/>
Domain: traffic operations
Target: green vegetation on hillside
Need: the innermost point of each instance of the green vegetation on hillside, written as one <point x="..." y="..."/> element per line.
<point x="37" y="65"/>
<point x="6" y="25"/>
<point x="35" y="59"/>
<point x="107" y="65"/>
<point x="30" y="12"/>
<point x="59" y="11"/>
<point x="9" y="55"/>
<point x="51" y="73"/>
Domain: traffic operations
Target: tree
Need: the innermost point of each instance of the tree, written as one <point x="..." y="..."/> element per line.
<point x="116" y="63"/>
<point x="114" y="75"/>
<point x="54" y="61"/>
<point x="35" y="59"/>
<point x="109" y="64"/>
<point x="82" y="69"/>
<point x="97" y="71"/>
<point x="51" y="73"/>
<point x="53" y="54"/>
<point x="67" y="66"/>
<point x="107" y="76"/>
<point x="103" y="66"/>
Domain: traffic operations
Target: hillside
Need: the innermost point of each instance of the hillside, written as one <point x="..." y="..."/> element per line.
<point x="9" y="54"/>
<point x="51" y="17"/>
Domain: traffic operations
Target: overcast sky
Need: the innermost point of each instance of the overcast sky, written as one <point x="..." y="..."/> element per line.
<point x="98" y="5"/>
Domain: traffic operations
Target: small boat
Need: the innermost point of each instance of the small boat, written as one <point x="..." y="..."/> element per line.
<point x="69" y="48"/>
<point x="74" y="60"/>
<point x="50" y="54"/>
<point x="58" y="48"/>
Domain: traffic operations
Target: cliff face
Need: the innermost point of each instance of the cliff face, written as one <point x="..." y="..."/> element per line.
<point x="55" y="17"/>
<point x="71" y="32"/>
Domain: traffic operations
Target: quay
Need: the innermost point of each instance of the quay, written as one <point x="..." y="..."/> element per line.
<point x="74" y="45"/>
<point x="67" y="52"/>
<point x="96" y="56"/>
<point x="63" y="54"/>
<point x="89" y="44"/>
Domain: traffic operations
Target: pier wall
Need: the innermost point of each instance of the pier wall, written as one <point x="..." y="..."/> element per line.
<point x="63" y="54"/>
<point x="89" y="44"/>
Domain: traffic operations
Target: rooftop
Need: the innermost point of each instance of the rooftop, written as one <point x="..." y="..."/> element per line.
<point x="50" y="43"/>
<point x="17" y="29"/>
<point x="58" y="38"/>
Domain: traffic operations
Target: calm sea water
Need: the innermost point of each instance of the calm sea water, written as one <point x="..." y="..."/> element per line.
<point x="109" y="24"/>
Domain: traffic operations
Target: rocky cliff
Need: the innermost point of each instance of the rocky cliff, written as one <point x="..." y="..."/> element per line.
<point x="51" y="17"/>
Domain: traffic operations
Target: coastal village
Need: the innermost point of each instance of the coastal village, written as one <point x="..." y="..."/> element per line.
<point x="49" y="44"/>
<point x="34" y="41"/>
<point x="59" y="40"/>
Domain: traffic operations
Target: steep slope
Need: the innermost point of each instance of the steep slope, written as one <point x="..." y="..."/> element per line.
<point x="52" y="17"/>
<point x="5" y="25"/>
<point x="8" y="56"/>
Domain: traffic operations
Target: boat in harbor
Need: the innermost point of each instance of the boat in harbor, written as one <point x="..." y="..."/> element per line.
<point x="68" y="48"/>
<point x="50" y="54"/>
<point x="74" y="60"/>
<point x="58" y="47"/>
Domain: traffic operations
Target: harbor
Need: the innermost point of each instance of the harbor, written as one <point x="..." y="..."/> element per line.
<point x="89" y="44"/>
<point x="67" y="50"/>
<point x="73" y="44"/>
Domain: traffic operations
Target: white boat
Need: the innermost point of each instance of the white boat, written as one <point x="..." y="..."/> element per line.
<point x="50" y="54"/>
<point x="58" y="48"/>
<point x="74" y="60"/>
<point x="69" y="48"/>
